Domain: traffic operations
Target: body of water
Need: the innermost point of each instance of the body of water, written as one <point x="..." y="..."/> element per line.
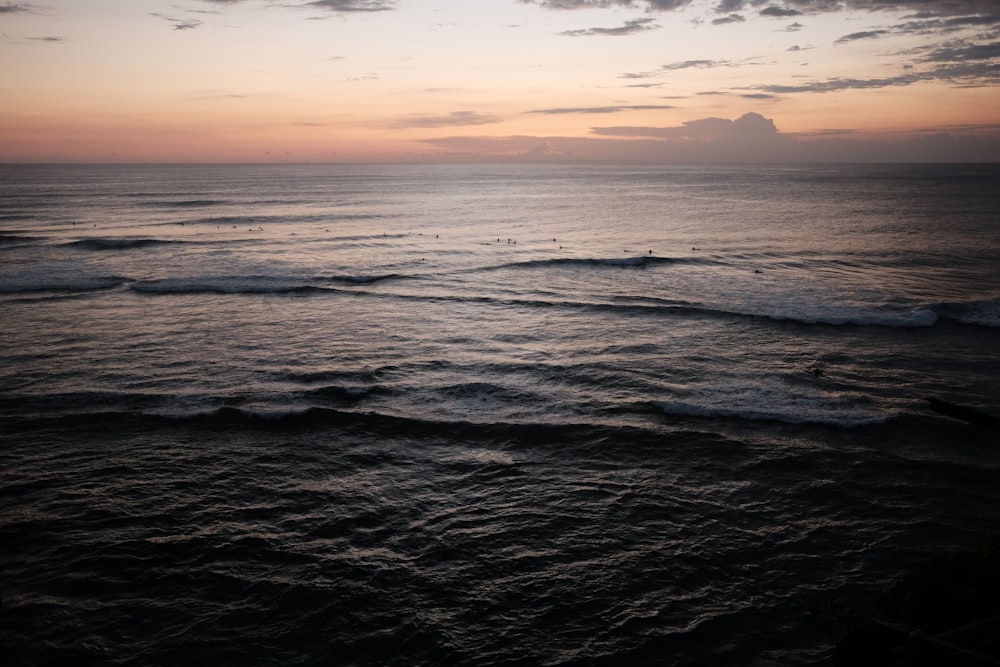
<point x="484" y="414"/>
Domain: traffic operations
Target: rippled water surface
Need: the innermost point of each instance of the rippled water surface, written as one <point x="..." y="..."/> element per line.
<point x="559" y="414"/>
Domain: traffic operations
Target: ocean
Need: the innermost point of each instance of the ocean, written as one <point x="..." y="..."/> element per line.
<point x="505" y="414"/>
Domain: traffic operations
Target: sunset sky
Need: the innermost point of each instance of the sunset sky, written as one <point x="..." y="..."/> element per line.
<point x="412" y="80"/>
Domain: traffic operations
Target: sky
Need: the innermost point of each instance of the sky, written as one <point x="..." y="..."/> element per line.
<point x="678" y="81"/>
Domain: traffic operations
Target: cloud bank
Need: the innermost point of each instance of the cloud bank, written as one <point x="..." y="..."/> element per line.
<point x="751" y="138"/>
<point x="787" y="8"/>
<point x="751" y="126"/>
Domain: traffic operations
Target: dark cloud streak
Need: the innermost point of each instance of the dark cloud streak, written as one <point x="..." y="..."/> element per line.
<point x="453" y="119"/>
<point x="21" y="8"/>
<point x="343" y="6"/>
<point x="775" y="11"/>
<point x="652" y="5"/>
<point x="179" y="24"/>
<point x="601" y="110"/>
<point x="839" y="84"/>
<point x="964" y="52"/>
<point x="864" y="34"/>
<point x="696" y="64"/>
<point x="628" y="28"/>
<point x="732" y="18"/>
<point x="348" y="6"/>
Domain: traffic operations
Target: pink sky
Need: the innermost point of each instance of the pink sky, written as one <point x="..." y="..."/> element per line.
<point x="415" y="80"/>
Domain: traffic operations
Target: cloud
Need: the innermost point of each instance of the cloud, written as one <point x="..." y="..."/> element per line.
<point x="9" y="8"/>
<point x="865" y="34"/>
<point x="629" y="28"/>
<point x="985" y="74"/>
<point x="965" y="63"/>
<point x="344" y="6"/>
<point x="47" y="39"/>
<point x="937" y="7"/>
<point x="747" y="126"/>
<point x="652" y="5"/>
<point x="964" y="52"/>
<point x="936" y="25"/>
<point x="696" y="64"/>
<point x="831" y="132"/>
<point x="672" y="67"/>
<point x="726" y="6"/>
<point x="779" y="12"/>
<point x="749" y="139"/>
<point x="786" y="8"/>
<point x="601" y="110"/>
<point x="179" y="24"/>
<point x="941" y="7"/>
<point x="639" y="75"/>
<point x="838" y="84"/>
<point x="219" y="95"/>
<point x="732" y="18"/>
<point x="353" y="5"/>
<point x="453" y="119"/>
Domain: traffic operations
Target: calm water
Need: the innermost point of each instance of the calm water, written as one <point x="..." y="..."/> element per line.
<point x="473" y="415"/>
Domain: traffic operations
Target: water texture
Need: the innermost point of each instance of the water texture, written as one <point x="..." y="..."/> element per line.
<point x="484" y="415"/>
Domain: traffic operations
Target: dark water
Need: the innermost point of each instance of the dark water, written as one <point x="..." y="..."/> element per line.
<point x="559" y="415"/>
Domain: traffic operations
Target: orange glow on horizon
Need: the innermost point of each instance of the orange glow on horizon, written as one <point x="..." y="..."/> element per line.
<point x="252" y="81"/>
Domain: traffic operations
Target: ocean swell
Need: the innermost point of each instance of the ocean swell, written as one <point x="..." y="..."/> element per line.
<point x="120" y="243"/>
